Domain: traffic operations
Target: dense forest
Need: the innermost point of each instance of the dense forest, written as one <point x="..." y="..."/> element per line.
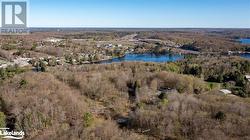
<point x="122" y="101"/>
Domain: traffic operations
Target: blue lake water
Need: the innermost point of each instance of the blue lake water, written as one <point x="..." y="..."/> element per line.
<point x="147" y="58"/>
<point x="244" y="41"/>
<point x="246" y="55"/>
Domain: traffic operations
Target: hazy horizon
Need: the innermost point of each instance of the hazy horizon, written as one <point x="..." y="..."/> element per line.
<point x="72" y="27"/>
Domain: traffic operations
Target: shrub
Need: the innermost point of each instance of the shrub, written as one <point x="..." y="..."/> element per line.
<point x="43" y="67"/>
<point x="220" y="115"/>
<point x="10" y="72"/>
<point x="173" y="67"/>
<point x="2" y="120"/>
<point x="195" y="70"/>
<point x="88" y="119"/>
<point x="23" y="83"/>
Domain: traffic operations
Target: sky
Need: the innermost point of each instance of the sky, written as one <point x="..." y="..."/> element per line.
<point x="140" y="13"/>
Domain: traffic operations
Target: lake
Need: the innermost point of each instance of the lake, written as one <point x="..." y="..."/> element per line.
<point x="245" y="55"/>
<point x="147" y="58"/>
<point x="244" y="41"/>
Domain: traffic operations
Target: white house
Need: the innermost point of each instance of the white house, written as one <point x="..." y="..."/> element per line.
<point x="247" y="77"/>
<point x="225" y="91"/>
<point x="53" y="40"/>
